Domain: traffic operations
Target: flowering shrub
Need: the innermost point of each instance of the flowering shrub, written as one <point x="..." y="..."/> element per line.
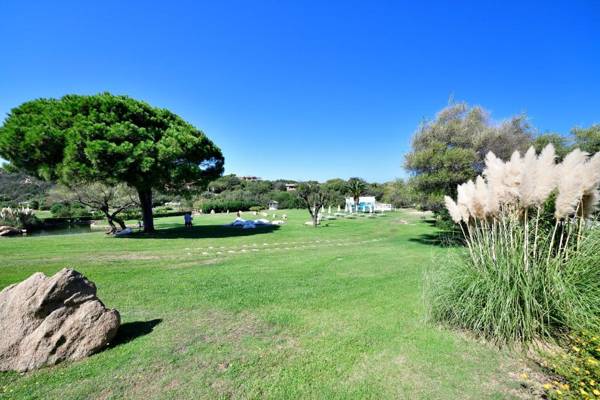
<point x="578" y="368"/>
<point x="524" y="277"/>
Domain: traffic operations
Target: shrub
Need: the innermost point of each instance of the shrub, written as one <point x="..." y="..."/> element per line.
<point x="287" y="200"/>
<point x="60" y="210"/>
<point x="256" y="208"/>
<point x="131" y="215"/>
<point x="162" y="210"/>
<point x="576" y="367"/>
<point x="522" y="278"/>
<point x="222" y="205"/>
<point x="68" y="210"/>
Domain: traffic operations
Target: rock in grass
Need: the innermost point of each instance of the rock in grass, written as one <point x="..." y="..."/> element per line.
<point x="46" y="320"/>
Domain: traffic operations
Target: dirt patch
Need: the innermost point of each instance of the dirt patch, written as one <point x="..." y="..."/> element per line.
<point x="104" y="394"/>
<point x="173" y="384"/>
<point x="388" y="367"/>
<point x="224" y="327"/>
<point x="223" y="388"/>
<point x="125" y="257"/>
<point x="193" y="263"/>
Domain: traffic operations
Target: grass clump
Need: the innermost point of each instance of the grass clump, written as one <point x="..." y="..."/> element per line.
<point x="499" y="297"/>
<point x="526" y="274"/>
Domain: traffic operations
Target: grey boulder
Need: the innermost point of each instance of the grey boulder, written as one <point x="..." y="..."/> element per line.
<point x="46" y="320"/>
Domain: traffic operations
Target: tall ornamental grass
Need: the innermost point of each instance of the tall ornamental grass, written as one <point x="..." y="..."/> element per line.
<point x="526" y="274"/>
<point x="21" y="217"/>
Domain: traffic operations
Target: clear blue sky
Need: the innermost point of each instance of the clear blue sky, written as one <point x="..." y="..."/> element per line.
<point x="311" y="89"/>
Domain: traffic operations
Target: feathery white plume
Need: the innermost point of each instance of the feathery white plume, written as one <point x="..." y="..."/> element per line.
<point x="545" y="174"/>
<point x="512" y="178"/>
<point x="494" y="173"/>
<point x="528" y="178"/>
<point x="453" y="209"/>
<point x="570" y="183"/>
<point x="592" y="173"/>
<point x="463" y="200"/>
<point x="480" y="198"/>
<point x="589" y="202"/>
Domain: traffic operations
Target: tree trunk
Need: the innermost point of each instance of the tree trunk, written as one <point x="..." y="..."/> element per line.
<point x="146" y="204"/>
<point x="113" y="228"/>
<point x="119" y="221"/>
<point x="109" y="219"/>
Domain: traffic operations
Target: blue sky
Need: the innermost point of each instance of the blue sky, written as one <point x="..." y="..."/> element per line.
<point x="311" y="90"/>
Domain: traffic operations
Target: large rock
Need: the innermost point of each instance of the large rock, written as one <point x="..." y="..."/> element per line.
<point x="46" y="320"/>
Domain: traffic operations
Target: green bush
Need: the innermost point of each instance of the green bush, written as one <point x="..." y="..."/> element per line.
<point x="222" y="205"/>
<point x="256" y="208"/>
<point x="287" y="200"/>
<point x="162" y="210"/>
<point x="131" y="215"/>
<point x="68" y="210"/>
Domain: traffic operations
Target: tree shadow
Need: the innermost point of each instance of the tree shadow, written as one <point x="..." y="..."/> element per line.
<point x="132" y="330"/>
<point x="203" y="231"/>
<point x="440" y="239"/>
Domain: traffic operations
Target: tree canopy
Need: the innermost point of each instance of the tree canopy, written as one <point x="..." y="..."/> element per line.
<point x="314" y="195"/>
<point x="450" y="149"/>
<point x="356" y="187"/>
<point x="561" y="143"/>
<point x="110" y="139"/>
<point x="587" y="139"/>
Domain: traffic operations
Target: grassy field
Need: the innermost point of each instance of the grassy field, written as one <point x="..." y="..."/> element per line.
<point x="295" y="312"/>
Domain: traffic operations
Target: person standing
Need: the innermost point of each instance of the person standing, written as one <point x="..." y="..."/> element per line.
<point x="187" y="219"/>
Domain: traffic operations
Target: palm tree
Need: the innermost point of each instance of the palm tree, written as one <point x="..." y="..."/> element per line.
<point x="356" y="187"/>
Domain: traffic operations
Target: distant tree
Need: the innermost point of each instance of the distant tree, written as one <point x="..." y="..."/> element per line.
<point x="587" y="139"/>
<point x="560" y="143"/>
<point x="451" y="149"/>
<point x="376" y="190"/>
<point x="227" y="182"/>
<point x="337" y="184"/>
<point x="338" y="189"/>
<point x="281" y="184"/>
<point x="314" y="196"/>
<point x="110" y="139"/>
<point x="109" y="200"/>
<point x="400" y="194"/>
<point x="258" y="187"/>
<point x="356" y="187"/>
<point x="287" y="199"/>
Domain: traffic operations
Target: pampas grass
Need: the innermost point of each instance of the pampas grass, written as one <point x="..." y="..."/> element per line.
<point x="522" y="276"/>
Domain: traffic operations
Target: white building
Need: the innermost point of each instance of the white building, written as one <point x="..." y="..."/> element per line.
<point x="366" y="204"/>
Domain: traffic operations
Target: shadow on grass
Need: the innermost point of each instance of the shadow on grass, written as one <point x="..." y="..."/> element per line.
<point x="132" y="330"/>
<point x="430" y="221"/>
<point x="441" y="239"/>
<point x="203" y="231"/>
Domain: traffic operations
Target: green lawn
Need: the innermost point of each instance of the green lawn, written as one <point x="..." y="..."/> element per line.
<point x="297" y="312"/>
